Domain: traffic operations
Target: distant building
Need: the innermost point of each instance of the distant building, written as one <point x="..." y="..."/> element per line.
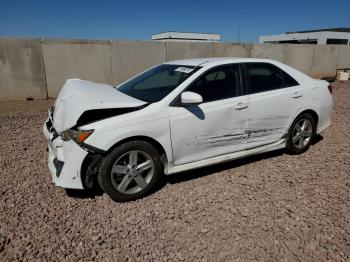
<point x="330" y="36"/>
<point x="183" y="36"/>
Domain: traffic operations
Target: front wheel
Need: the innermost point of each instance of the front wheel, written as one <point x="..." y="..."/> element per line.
<point x="130" y="171"/>
<point x="301" y="134"/>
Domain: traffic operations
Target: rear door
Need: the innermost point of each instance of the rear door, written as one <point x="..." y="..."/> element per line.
<point x="215" y="127"/>
<point x="275" y="98"/>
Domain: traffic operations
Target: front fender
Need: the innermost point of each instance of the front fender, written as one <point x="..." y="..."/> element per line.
<point x="156" y="129"/>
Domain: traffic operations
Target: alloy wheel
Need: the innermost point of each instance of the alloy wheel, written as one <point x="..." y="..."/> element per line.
<point x="302" y="133"/>
<point x="132" y="172"/>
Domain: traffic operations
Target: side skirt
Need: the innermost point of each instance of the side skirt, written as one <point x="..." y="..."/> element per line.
<point x="171" y="169"/>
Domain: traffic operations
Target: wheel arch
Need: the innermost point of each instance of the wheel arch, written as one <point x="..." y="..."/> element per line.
<point x="92" y="161"/>
<point x="162" y="153"/>
<point x="312" y="113"/>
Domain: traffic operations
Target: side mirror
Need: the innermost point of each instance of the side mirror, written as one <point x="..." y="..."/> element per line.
<point x="191" y="98"/>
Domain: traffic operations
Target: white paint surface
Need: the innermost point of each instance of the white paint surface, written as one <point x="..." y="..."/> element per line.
<point x="191" y="137"/>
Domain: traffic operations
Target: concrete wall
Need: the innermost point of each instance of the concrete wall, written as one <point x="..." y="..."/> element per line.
<point x="343" y="57"/>
<point x="132" y="57"/>
<point x="21" y="69"/>
<point x="183" y="50"/>
<point x="324" y="60"/>
<point x="299" y="57"/>
<point x="38" y="68"/>
<point x="89" y="60"/>
<point x="275" y="52"/>
<point x="231" y="50"/>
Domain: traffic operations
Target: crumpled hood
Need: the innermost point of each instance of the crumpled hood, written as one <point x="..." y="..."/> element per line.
<point x="78" y="96"/>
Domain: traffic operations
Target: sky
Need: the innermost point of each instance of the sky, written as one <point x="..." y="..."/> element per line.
<point x="138" y="20"/>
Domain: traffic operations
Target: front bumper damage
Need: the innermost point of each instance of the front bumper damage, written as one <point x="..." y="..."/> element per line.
<point x="65" y="159"/>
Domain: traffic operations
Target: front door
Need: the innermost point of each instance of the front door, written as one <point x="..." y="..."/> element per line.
<point x="215" y="127"/>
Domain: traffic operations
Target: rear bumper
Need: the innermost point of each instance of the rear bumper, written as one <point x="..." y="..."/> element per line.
<point x="324" y="120"/>
<point x="65" y="160"/>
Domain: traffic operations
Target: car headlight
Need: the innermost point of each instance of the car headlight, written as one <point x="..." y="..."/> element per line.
<point x="79" y="136"/>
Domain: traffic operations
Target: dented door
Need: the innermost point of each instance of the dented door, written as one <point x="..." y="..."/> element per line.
<point x="275" y="98"/>
<point x="270" y="115"/>
<point x="217" y="126"/>
<point x="209" y="129"/>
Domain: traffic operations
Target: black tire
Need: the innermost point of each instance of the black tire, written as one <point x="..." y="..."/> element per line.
<point x="291" y="147"/>
<point x="105" y="177"/>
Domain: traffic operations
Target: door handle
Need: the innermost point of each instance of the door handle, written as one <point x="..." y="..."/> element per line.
<point x="241" y="106"/>
<point x="297" y="95"/>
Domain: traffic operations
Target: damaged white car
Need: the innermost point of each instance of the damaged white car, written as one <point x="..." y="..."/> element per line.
<point x="179" y="116"/>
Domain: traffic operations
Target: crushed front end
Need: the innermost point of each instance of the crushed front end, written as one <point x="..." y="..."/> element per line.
<point x="65" y="157"/>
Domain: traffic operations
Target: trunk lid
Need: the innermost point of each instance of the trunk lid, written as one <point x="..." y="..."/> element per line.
<point x="78" y="96"/>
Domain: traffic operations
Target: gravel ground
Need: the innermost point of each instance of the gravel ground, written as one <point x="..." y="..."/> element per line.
<point x="270" y="207"/>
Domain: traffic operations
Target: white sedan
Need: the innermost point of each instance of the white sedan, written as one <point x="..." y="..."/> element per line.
<point x="178" y="116"/>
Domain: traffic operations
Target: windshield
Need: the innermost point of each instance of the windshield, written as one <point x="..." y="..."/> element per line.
<point x="156" y="83"/>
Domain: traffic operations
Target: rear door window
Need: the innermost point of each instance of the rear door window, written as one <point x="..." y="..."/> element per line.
<point x="263" y="77"/>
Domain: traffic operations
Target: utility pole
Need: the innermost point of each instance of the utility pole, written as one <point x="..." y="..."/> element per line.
<point x="239" y="25"/>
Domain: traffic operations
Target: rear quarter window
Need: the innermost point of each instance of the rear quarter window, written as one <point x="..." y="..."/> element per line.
<point x="288" y="80"/>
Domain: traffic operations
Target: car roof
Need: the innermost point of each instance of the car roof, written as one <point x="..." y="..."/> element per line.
<point x="215" y="61"/>
<point x="211" y="61"/>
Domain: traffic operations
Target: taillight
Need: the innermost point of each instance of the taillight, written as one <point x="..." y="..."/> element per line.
<point x="330" y="88"/>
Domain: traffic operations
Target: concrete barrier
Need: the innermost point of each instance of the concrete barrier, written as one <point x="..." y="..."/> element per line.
<point x="132" y="57"/>
<point x="299" y="57"/>
<point x="186" y="50"/>
<point x="275" y="52"/>
<point x="343" y="57"/>
<point x="324" y="62"/>
<point x="22" y="72"/>
<point x="34" y="68"/>
<point x="85" y="59"/>
<point x="231" y="50"/>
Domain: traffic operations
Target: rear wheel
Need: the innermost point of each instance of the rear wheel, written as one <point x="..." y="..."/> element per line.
<point x="301" y="134"/>
<point x="130" y="171"/>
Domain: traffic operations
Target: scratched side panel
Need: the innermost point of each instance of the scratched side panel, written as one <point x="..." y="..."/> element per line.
<point x="271" y="113"/>
<point x="267" y="128"/>
<point x="207" y="130"/>
<point x="222" y="137"/>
